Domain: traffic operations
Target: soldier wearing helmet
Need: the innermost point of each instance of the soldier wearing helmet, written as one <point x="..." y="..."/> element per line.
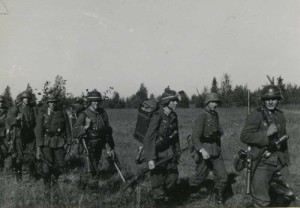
<point x="206" y="134"/>
<point x="3" y="142"/>
<point x="52" y="133"/>
<point x="21" y="123"/>
<point x="161" y="141"/>
<point x="93" y="129"/>
<point x="262" y="128"/>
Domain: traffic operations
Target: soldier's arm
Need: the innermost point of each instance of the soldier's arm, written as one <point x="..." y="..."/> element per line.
<point x="197" y="131"/>
<point x="68" y="128"/>
<point x="150" y="137"/>
<point x="79" y="126"/>
<point x="12" y="116"/>
<point x="109" y="136"/>
<point x="39" y="130"/>
<point x="251" y="133"/>
<point x="177" y="142"/>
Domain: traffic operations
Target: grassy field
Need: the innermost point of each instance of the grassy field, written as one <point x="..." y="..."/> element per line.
<point x="29" y="194"/>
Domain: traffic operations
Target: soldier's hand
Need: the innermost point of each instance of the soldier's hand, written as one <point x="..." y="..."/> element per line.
<point x="272" y="129"/>
<point x="19" y="117"/>
<point x="112" y="154"/>
<point x="151" y="165"/>
<point x="205" y="154"/>
<point x="272" y="147"/>
<point x="87" y="123"/>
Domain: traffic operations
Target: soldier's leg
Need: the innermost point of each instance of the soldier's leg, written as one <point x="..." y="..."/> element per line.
<point x="260" y="184"/>
<point x="282" y="187"/>
<point x="30" y="159"/>
<point x="157" y="184"/>
<point x="171" y="177"/>
<point x="48" y="155"/>
<point x="221" y="176"/>
<point x="58" y="155"/>
<point x="201" y="173"/>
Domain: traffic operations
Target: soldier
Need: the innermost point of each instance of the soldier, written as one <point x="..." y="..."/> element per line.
<point x="94" y="130"/>
<point x="161" y="141"/>
<point x="21" y="123"/>
<point x="52" y="133"/>
<point x="262" y="128"/>
<point x="206" y="134"/>
<point x="3" y="143"/>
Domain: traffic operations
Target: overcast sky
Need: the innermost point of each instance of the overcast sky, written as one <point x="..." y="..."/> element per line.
<point x="122" y="43"/>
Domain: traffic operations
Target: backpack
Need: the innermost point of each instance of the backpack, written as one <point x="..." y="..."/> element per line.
<point x="145" y="112"/>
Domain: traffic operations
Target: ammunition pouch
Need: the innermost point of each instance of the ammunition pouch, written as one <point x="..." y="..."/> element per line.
<point x="162" y="144"/>
<point x="50" y="133"/>
<point x="240" y="162"/>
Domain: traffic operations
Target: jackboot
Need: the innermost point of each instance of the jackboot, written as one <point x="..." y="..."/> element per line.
<point x="219" y="199"/>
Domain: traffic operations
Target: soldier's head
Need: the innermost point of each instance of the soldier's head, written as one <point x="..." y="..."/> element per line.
<point x="26" y="96"/>
<point x="39" y="98"/>
<point x="212" y="100"/>
<point x="170" y="99"/>
<point x="94" y="98"/>
<point x="271" y="96"/>
<point x="78" y="105"/>
<point x="52" y="102"/>
<point x="1" y="101"/>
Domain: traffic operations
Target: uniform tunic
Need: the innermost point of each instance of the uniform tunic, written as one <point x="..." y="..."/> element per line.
<point x="206" y="134"/>
<point x="158" y="145"/>
<point x="265" y="170"/>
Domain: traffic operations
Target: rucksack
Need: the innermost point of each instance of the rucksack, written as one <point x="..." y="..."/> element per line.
<point x="145" y="112"/>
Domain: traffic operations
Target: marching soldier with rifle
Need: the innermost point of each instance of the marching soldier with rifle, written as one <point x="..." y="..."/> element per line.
<point x="94" y="131"/>
<point x="3" y="142"/>
<point x="52" y="133"/>
<point x="21" y="124"/>
<point x="162" y="141"/>
<point x="265" y="132"/>
<point x="206" y="137"/>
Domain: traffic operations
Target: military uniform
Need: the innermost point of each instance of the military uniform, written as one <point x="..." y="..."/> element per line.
<point x="157" y="146"/>
<point x="206" y="134"/>
<point x="23" y="129"/>
<point x="3" y="142"/>
<point x="271" y="171"/>
<point x="53" y="132"/>
<point x="95" y="137"/>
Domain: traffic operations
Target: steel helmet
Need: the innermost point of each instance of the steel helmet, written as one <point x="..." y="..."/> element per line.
<point x="271" y="91"/>
<point x="169" y="96"/>
<point x="52" y="98"/>
<point x="25" y="95"/>
<point x="212" y="97"/>
<point x="94" y="96"/>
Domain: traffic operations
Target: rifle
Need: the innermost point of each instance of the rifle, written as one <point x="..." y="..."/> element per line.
<point x="113" y="160"/>
<point x="89" y="158"/>
<point x="160" y="162"/>
<point x="249" y="160"/>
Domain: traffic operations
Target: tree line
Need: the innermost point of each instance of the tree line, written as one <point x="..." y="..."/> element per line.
<point x="230" y="95"/>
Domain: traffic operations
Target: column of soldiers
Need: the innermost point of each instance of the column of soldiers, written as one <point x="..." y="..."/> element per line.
<point x="46" y="131"/>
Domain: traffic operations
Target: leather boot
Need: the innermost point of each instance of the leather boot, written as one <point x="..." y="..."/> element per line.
<point x="219" y="197"/>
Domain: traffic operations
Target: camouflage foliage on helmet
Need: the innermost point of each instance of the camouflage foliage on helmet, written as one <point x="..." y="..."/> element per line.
<point x="169" y="96"/>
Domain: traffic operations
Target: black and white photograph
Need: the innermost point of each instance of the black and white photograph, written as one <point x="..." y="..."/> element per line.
<point x="140" y="104"/>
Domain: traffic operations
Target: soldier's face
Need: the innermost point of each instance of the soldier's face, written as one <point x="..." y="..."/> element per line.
<point x="52" y="105"/>
<point x="212" y="105"/>
<point x="271" y="104"/>
<point x="95" y="104"/>
<point x="172" y="104"/>
<point x="26" y="101"/>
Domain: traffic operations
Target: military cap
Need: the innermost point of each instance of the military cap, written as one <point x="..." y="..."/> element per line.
<point x="212" y="97"/>
<point x="169" y="96"/>
<point x="52" y="98"/>
<point x="271" y="91"/>
<point x="94" y="96"/>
